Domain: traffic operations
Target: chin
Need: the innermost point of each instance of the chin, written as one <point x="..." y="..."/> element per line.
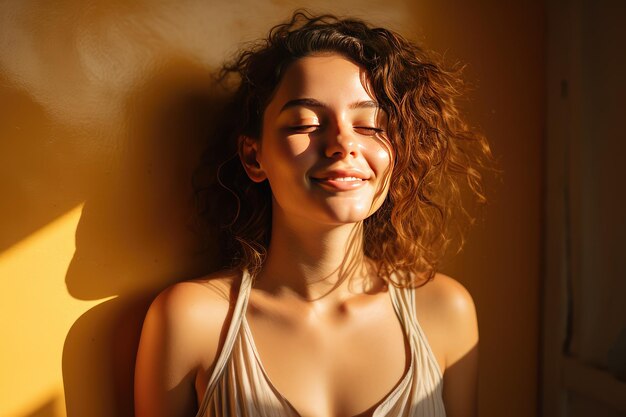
<point x="345" y="217"/>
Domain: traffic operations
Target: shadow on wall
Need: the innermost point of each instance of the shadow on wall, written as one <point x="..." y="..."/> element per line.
<point x="135" y="235"/>
<point x="43" y="155"/>
<point x="48" y="409"/>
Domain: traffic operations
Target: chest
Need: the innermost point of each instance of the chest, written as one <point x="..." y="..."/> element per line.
<point x="345" y="366"/>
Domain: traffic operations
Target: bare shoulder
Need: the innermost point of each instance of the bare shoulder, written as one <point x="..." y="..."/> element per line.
<point x="192" y="313"/>
<point x="449" y="309"/>
<point x="210" y="291"/>
<point x="460" y="344"/>
<point x="192" y="300"/>
<point x="449" y="295"/>
<point x="180" y="335"/>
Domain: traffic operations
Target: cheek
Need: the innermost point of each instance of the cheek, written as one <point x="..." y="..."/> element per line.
<point x="286" y="158"/>
<point x="382" y="164"/>
<point x="294" y="148"/>
<point x="382" y="157"/>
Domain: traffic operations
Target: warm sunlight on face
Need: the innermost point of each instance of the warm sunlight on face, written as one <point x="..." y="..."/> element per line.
<point x="323" y="145"/>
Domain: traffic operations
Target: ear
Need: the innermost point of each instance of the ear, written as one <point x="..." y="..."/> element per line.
<point x="248" y="153"/>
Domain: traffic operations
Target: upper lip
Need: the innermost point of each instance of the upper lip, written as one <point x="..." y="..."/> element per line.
<point x="341" y="173"/>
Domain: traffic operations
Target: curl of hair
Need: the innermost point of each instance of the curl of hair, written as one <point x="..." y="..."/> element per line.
<point x="438" y="157"/>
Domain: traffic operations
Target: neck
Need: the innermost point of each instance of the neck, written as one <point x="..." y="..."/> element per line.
<point x="314" y="260"/>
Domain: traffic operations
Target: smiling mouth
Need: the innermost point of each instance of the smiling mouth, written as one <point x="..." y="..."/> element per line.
<point x="340" y="179"/>
<point x="340" y="183"/>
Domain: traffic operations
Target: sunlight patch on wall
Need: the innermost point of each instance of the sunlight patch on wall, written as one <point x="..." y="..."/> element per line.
<point x="37" y="315"/>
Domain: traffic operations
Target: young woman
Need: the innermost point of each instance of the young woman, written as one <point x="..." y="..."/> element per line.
<point x="351" y="158"/>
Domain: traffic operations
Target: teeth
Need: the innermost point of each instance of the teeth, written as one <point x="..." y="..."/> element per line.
<point x="345" y="179"/>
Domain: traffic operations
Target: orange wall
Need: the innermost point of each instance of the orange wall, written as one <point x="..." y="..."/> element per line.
<point x="502" y="44"/>
<point x="102" y="109"/>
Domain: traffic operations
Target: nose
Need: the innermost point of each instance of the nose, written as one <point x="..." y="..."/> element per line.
<point x="341" y="142"/>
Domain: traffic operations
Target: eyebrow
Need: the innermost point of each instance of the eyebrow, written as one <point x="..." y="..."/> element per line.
<point x="313" y="103"/>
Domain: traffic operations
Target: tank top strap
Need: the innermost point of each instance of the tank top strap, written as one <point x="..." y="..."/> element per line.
<point x="403" y="300"/>
<point x="239" y="311"/>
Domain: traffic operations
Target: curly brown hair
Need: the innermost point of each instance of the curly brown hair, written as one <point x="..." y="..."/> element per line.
<point x="437" y="155"/>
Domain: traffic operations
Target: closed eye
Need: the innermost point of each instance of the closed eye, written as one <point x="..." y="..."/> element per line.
<point x="303" y="128"/>
<point x="368" y="131"/>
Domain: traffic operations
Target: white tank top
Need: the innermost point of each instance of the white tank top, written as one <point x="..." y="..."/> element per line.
<point x="239" y="386"/>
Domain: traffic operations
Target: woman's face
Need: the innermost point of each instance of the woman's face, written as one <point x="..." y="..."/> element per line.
<point x="323" y="146"/>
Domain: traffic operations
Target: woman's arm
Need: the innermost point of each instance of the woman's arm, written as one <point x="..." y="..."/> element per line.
<point x="179" y="336"/>
<point x="460" y="379"/>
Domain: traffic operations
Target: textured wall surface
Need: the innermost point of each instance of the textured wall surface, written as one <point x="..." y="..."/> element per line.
<point x="103" y="106"/>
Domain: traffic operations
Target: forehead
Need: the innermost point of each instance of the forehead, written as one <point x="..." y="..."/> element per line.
<point x="330" y="78"/>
